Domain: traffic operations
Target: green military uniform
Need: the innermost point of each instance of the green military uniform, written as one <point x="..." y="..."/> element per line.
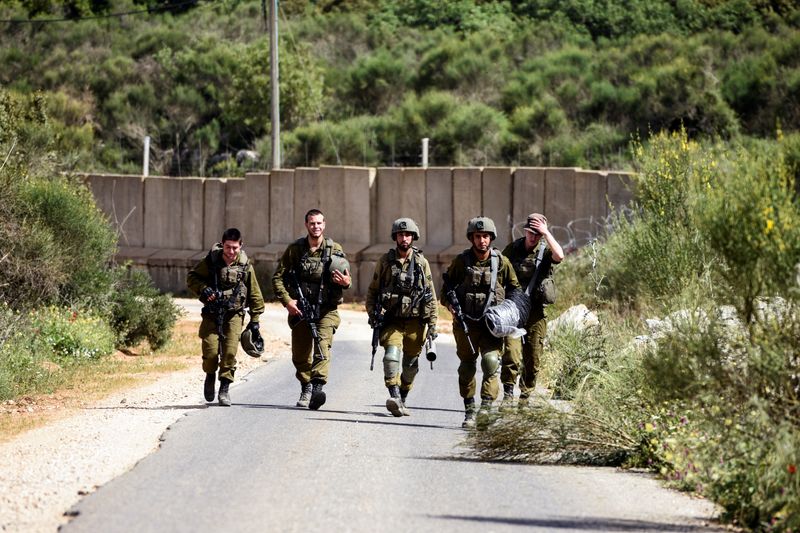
<point x="312" y="270"/>
<point x="405" y="290"/>
<point x="522" y="359"/>
<point x="239" y="287"/>
<point x="471" y="279"/>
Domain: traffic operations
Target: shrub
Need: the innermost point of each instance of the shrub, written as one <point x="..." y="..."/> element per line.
<point x="140" y="312"/>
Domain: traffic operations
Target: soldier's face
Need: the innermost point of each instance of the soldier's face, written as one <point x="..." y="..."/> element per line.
<point x="404" y="239"/>
<point x="531" y="239"/>
<point x="230" y="249"/>
<point x="481" y="240"/>
<point x="315" y="225"/>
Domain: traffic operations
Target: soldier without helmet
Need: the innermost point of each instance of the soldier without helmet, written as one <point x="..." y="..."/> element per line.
<point x="226" y="283"/>
<point x="480" y="276"/>
<point x="319" y="266"/>
<point x="521" y="358"/>
<point x="403" y="286"/>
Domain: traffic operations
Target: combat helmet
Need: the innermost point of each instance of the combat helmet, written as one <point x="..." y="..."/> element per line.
<point x="484" y="224"/>
<point x="252" y="342"/>
<point x="339" y="262"/>
<point x="405" y="224"/>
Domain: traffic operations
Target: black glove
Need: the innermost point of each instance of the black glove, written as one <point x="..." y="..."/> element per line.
<point x="206" y="294"/>
<point x="253" y="325"/>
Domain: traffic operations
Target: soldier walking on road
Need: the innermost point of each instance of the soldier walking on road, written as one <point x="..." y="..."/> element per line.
<point x="226" y="283"/>
<point x="528" y="255"/>
<point x="309" y="281"/>
<point x="479" y="278"/>
<point x="402" y="290"/>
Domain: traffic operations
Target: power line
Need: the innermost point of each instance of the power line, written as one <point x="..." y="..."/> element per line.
<point x="106" y="16"/>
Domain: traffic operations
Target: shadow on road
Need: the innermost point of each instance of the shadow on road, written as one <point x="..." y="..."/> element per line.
<point x="415" y="408"/>
<point x="588" y="523"/>
<point x="151" y="407"/>
<point x="405" y="424"/>
<point x="294" y="408"/>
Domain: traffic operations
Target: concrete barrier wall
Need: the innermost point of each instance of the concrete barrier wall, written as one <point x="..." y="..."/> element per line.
<point x="166" y="225"/>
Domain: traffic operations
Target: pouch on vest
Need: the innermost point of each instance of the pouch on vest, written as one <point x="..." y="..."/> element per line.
<point x="546" y="292"/>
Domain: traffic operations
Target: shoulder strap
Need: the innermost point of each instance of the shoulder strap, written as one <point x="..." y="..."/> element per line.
<point x="537" y="274"/>
<point x="495" y="266"/>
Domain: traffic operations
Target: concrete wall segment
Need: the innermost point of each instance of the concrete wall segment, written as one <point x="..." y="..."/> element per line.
<point x="439" y="206"/>
<point x="255" y="226"/>
<point x="496" y="199"/>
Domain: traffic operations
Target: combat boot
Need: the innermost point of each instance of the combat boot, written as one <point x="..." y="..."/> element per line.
<point x="508" y="395"/>
<point x="317" y="395"/>
<point x="394" y="403"/>
<point x="404" y="408"/>
<point x="484" y="412"/>
<point x="305" y="395"/>
<point x="208" y="387"/>
<point x="469" y="416"/>
<point x="224" y="396"/>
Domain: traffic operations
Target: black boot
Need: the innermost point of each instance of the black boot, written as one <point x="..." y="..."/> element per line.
<point x="469" y="413"/>
<point x="208" y="387"/>
<point x="224" y="397"/>
<point x="317" y="395"/>
<point x="394" y="403"/>
<point x="305" y="395"/>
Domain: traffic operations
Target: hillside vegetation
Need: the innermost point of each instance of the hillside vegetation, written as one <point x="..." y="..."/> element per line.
<point x="533" y="82"/>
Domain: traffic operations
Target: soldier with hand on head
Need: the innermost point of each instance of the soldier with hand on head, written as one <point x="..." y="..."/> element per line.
<point x="477" y="278"/>
<point x="533" y="257"/>
<point x="402" y="290"/>
<point x="309" y="281"/>
<point x="226" y="284"/>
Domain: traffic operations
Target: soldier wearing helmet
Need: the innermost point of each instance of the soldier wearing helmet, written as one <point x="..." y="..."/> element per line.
<point x="402" y="286"/>
<point x="317" y="268"/>
<point x="227" y="285"/>
<point x="536" y="250"/>
<point x="480" y="277"/>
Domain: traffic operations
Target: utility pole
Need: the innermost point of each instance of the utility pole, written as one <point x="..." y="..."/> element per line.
<point x="275" y="116"/>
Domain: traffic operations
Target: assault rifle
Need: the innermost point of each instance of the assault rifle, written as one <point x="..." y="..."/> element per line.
<point x="458" y="314"/>
<point x="310" y="314"/>
<point x="376" y="321"/>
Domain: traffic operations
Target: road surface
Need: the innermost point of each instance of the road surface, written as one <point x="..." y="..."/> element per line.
<point x="264" y="465"/>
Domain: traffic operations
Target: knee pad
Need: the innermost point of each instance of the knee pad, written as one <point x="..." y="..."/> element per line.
<point x="391" y="362"/>
<point x="490" y="363"/>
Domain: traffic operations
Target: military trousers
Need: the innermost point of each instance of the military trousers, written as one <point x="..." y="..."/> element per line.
<point x="407" y="334"/>
<point x="231" y="330"/>
<point x="521" y="359"/>
<point x="312" y="362"/>
<point x="489" y="348"/>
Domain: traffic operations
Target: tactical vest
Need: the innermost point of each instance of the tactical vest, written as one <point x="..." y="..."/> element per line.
<point x="476" y="293"/>
<point x="314" y="274"/>
<point x="403" y="296"/>
<point x="524" y="263"/>
<point x="230" y="280"/>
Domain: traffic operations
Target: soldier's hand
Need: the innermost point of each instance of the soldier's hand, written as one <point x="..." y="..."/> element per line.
<point x="253" y="325"/>
<point x="293" y="309"/>
<point x="340" y="278"/>
<point x="208" y="295"/>
<point x="432" y="331"/>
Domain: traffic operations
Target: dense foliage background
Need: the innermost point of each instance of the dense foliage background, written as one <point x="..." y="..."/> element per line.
<point x="63" y="302"/>
<point x="532" y="82"/>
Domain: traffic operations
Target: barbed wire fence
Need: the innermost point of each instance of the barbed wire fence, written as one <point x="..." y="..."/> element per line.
<point x="579" y="232"/>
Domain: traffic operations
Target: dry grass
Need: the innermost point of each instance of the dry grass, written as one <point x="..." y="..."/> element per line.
<point x="82" y="385"/>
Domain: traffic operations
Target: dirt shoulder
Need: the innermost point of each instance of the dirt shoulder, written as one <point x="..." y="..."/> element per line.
<point x="61" y="446"/>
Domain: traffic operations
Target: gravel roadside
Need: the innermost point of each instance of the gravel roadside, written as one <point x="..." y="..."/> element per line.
<point x="47" y="470"/>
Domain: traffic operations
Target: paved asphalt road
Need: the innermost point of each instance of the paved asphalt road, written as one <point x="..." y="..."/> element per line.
<point x="264" y="465"/>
